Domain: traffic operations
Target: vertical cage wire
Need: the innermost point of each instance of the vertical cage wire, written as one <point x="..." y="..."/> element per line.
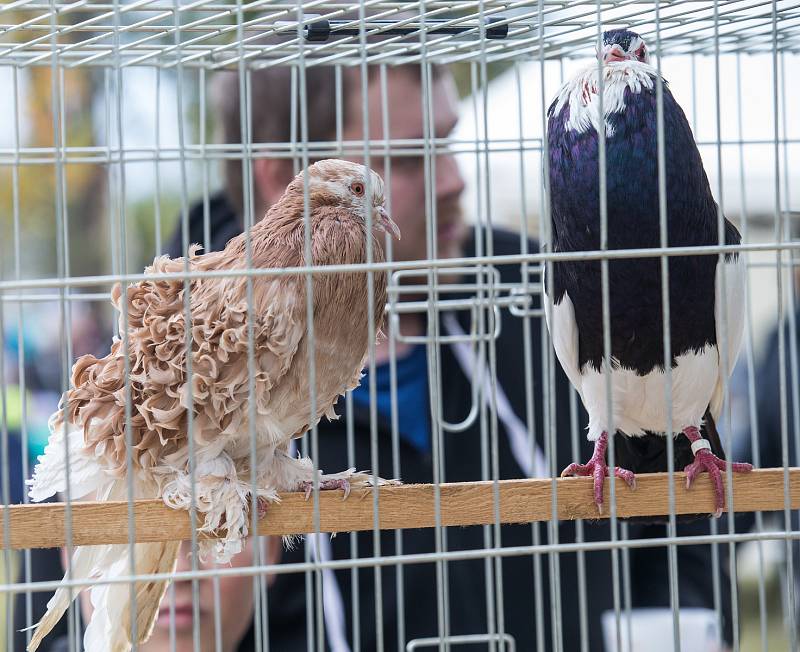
<point x="185" y="45"/>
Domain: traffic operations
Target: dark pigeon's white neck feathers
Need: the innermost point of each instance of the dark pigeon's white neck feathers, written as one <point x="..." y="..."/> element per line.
<point x="580" y="93"/>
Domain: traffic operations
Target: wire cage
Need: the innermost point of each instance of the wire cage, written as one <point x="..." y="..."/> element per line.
<point x="134" y="129"/>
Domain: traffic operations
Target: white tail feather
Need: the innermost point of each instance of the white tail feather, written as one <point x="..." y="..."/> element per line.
<point x="84" y="560"/>
<point x="110" y="625"/>
<point x="50" y="475"/>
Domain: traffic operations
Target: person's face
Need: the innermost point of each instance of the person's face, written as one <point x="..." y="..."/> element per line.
<point x="235" y="604"/>
<point x="407" y="183"/>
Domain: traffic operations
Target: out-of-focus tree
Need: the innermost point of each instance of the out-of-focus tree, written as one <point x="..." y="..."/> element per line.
<point x="45" y="104"/>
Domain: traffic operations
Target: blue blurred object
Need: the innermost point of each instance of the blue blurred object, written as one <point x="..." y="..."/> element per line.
<point x="14" y="470"/>
<point x="412" y="397"/>
<point x="32" y="360"/>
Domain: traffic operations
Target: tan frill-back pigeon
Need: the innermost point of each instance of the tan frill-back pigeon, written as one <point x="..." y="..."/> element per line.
<point x="92" y="414"/>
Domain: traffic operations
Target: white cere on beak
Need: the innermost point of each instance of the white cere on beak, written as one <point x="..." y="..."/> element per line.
<point x="385" y="223"/>
<point x="614" y="52"/>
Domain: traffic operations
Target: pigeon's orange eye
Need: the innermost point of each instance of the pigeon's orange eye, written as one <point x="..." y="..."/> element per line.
<point x="358" y="188"/>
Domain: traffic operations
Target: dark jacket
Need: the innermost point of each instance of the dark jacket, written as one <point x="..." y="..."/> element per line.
<point x="467" y="611"/>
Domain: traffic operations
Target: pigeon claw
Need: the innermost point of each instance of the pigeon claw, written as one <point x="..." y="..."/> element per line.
<point x="327" y="485"/>
<point x="705" y="460"/>
<point x="598" y="470"/>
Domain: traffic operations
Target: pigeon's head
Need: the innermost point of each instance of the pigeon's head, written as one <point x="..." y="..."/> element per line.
<point x="623" y="45"/>
<point x="346" y="184"/>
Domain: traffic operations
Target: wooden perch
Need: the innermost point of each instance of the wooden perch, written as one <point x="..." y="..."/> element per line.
<point x="406" y="506"/>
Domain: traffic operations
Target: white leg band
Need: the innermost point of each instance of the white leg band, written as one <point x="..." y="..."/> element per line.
<point x="700" y="444"/>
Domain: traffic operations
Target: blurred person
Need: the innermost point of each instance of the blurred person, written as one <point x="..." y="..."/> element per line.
<point x="233" y="599"/>
<point x="526" y="610"/>
<point x="771" y="406"/>
<point x="468" y="580"/>
<point x="774" y="410"/>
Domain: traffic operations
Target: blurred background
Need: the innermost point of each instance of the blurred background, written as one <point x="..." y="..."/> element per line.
<point x="92" y="216"/>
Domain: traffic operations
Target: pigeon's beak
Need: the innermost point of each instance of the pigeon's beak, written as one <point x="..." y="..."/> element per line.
<point x="385" y="223"/>
<point x="613" y="53"/>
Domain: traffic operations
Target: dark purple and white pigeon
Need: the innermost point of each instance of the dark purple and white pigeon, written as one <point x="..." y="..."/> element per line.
<point x="640" y="413"/>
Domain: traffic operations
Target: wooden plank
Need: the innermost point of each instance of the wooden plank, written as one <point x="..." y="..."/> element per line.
<point x="405" y="506"/>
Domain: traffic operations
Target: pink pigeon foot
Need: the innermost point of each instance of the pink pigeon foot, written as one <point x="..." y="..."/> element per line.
<point x="327" y="485"/>
<point x="598" y="469"/>
<point x="705" y="460"/>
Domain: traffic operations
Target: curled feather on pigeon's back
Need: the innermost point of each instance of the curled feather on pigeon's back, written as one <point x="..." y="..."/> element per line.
<point x="156" y="329"/>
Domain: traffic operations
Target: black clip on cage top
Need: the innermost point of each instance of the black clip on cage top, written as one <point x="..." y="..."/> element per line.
<point x="321" y="30"/>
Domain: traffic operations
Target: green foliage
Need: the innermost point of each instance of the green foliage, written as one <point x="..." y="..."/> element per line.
<point x="463" y="76"/>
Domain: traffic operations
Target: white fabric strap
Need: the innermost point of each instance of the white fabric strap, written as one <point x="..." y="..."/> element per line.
<point x="700" y="444"/>
<point x="332" y="602"/>
<point x="532" y="465"/>
<point x="532" y="462"/>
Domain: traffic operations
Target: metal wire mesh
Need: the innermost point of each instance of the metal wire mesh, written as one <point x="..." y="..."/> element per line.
<point x="112" y="127"/>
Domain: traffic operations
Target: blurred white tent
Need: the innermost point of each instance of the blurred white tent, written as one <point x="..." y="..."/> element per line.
<point x="515" y="104"/>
